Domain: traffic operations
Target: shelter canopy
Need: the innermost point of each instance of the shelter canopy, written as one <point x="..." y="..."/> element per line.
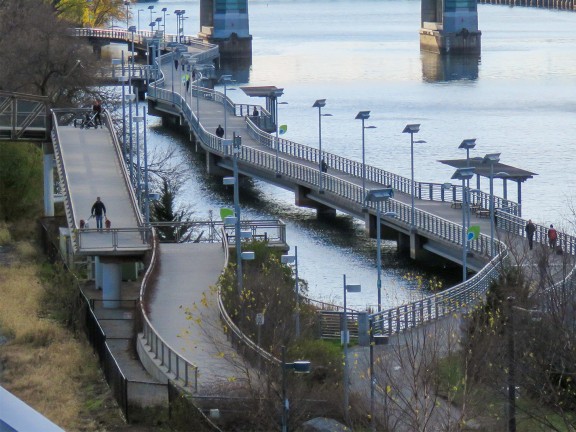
<point x="482" y="169"/>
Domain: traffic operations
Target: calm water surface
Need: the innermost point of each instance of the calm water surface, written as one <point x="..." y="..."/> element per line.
<point x="518" y="99"/>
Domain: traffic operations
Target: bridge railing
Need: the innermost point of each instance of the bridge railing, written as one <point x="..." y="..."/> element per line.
<point x="430" y="308"/>
<point x="422" y="190"/>
<point x="118" y="239"/>
<point x="24" y="117"/>
<point x="185" y="372"/>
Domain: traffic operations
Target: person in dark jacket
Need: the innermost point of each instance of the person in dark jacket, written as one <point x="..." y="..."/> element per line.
<point x="530" y="230"/>
<point x="98" y="210"/>
<point x="219" y="131"/>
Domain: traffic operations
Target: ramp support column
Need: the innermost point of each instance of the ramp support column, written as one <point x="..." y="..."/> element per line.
<point x="48" y="179"/>
<point x="111" y="280"/>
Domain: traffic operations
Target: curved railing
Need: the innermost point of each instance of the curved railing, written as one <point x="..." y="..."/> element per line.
<point x="396" y="319"/>
<point x="185" y="372"/>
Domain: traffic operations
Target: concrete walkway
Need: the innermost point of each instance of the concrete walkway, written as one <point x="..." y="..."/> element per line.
<point x="184" y="311"/>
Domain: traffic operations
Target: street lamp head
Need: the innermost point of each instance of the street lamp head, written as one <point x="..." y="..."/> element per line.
<point x="363" y="115"/>
<point x="320" y="103"/>
<point x="376" y="195"/>
<point x="164" y="9"/>
<point x="463" y="174"/>
<point x="491" y="158"/>
<point x="230" y="220"/>
<point x="468" y="144"/>
<point x="151" y="7"/>
<point x="227" y="181"/>
<point x="225" y="78"/>
<point x="390" y="214"/>
<point x="353" y="288"/>
<point x="132" y="29"/>
<point x="287" y="259"/>
<point x="411" y="128"/>
<point x="248" y="256"/>
<point x="158" y="19"/>
<point x="126" y="3"/>
<point x="447" y="186"/>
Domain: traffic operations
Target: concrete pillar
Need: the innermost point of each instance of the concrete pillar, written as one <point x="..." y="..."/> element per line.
<point x="363" y="329"/>
<point x="212" y="168"/>
<point x="48" y="180"/>
<point x="111" y="279"/>
<point x="98" y="273"/>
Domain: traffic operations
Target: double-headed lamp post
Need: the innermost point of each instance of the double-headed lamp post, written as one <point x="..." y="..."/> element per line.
<point x="345" y="338"/>
<point x="236" y="144"/>
<point x="377" y="196"/>
<point x="320" y="103"/>
<point x="364" y="115"/>
<point x="275" y="95"/>
<point x="412" y="129"/>
<point x="225" y="79"/>
<point x="464" y="174"/>
<point x="491" y="159"/>
<point x="299" y="366"/>
<point x="289" y="259"/>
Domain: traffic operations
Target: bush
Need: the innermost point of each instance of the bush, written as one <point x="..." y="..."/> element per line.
<point x="20" y="181"/>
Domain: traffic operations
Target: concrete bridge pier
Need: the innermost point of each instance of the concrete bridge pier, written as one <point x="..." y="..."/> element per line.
<point x="386" y="233"/>
<point x="226" y="24"/>
<point x="48" y="151"/>
<point x="111" y="282"/>
<point x="301" y="200"/>
<point x="98" y="272"/>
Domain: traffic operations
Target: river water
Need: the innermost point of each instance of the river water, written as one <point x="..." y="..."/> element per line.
<point x="517" y="99"/>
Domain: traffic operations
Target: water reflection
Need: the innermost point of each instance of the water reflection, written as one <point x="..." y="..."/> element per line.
<point x="442" y="67"/>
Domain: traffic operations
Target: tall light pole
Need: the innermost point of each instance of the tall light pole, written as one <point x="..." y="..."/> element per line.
<point x="127" y="4"/>
<point x="467" y="145"/>
<point x="464" y="174"/>
<point x="377" y="196"/>
<point x="236" y="144"/>
<point x="364" y="115"/>
<point x="150" y="9"/>
<point x="491" y="159"/>
<point x="320" y="103"/>
<point x="288" y="259"/>
<point x="225" y="79"/>
<point x="352" y="289"/>
<point x="412" y="129"/>
<point x="139" y="10"/>
<point x="275" y="95"/>
<point x="299" y="366"/>
<point x="145" y="200"/>
<point x="164" y="12"/>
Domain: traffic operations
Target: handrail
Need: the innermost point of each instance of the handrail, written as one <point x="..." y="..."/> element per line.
<point x="157" y="344"/>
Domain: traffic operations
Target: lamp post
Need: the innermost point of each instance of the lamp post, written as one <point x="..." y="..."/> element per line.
<point x="225" y="79"/>
<point x="377" y="196"/>
<point x="299" y="366"/>
<point x="288" y="259"/>
<point x="320" y="103"/>
<point x="146" y="201"/>
<point x="464" y="174"/>
<point x="150" y="9"/>
<point x="139" y="10"/>
<point x="491" y="159"/>
<point x="275" y="95"/>
<point x="412" y="129"/>
<point x="236" y="144"/>
<point x="127" y="4"/>
<point x="467" y="145"/>
<point x="164" y="12"/>
<point x="364" y="115"/>
<point x="353" y="289"/>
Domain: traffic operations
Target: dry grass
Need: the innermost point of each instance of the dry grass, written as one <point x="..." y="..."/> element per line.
<point x="43" y="363"/>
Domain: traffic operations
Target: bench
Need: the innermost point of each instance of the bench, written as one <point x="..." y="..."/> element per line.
<point x="483" y="213"/>
<point x="456" y="204"/>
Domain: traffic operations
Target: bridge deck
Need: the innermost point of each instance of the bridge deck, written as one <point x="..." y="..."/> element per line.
<point x="93" y="169"/>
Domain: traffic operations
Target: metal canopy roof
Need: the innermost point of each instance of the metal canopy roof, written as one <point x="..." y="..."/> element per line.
<point x="483" y="169"/>
<point x="262" y="91"/>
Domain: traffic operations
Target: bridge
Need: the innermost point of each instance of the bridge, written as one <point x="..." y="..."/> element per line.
<point x="91" y="162"/>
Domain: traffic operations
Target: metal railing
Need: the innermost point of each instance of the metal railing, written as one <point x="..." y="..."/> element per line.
<point x="184" y="371"/>
<point x="135" y="238"/>
<point x="24" y="117"/>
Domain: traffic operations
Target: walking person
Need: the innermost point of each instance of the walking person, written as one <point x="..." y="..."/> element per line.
<point x="530" y="230"/>
<point x="97" y="109"/>
<point x="98" y="210"/>
<point x="219" y="131"/>
<point x="552" y="237"/>
<point x="324" y="166"/>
